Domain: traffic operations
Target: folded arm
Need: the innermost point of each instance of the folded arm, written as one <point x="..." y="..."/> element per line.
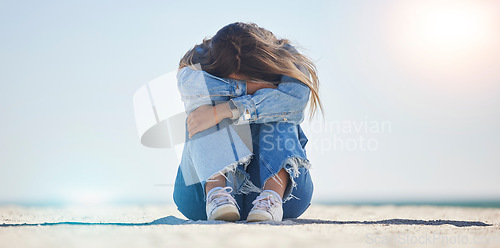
<point x="285" y="103"/>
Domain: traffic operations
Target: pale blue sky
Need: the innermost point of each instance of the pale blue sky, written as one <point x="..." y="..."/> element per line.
<point x="68" y="71"/>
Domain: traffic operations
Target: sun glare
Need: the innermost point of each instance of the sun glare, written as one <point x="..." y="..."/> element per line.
<point x="452" y="42"/>
<point x="443" y="27"/>
<point x="451" y="26"/>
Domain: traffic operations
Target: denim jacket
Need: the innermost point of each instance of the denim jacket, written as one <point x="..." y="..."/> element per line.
<point x="285" y="103"/>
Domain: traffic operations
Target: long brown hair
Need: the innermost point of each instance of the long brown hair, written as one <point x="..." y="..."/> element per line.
<point x="256" y="54"/>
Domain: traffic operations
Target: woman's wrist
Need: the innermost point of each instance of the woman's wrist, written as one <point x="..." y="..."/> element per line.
<point x="223" y="111"/>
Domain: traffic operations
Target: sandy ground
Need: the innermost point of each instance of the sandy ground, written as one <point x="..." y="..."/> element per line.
<point x="320" y="226"/>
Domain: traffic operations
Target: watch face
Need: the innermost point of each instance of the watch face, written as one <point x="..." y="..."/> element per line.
<point x="234" y="110"/>
<point x="232" y="106"/>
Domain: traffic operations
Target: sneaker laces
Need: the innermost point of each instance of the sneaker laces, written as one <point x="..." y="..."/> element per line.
<point x="223" y="196"/>
<point x="265" y="202"/>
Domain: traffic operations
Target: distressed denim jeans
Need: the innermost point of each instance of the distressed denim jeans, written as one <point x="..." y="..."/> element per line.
<point x="276" y="145"/>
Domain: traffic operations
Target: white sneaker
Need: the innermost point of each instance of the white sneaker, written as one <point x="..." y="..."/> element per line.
<point x="267" y="206"/>
<point x="221" y="205"/>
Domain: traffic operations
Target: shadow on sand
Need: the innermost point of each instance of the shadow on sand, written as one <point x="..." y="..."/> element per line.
<point x="172" y="220"/>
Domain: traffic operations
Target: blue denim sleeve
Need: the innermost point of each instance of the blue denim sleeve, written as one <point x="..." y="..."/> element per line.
<point x="199" y="88"/>
<point x="285" y="103"/>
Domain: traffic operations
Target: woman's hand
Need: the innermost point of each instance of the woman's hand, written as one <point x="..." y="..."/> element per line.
<point x="207" y="116"/>
<point x="252" y="87"/>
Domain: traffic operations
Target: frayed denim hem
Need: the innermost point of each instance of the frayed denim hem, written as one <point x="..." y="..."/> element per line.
<point x="240" y="178"/>
<point x="291" y="166"/>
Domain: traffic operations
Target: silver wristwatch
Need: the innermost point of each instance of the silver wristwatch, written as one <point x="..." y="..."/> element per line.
<point x="234" y="110"/>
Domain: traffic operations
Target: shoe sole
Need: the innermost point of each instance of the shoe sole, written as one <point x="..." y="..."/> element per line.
<point x="225" y="213"/>
<point x="255" y="217"/>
